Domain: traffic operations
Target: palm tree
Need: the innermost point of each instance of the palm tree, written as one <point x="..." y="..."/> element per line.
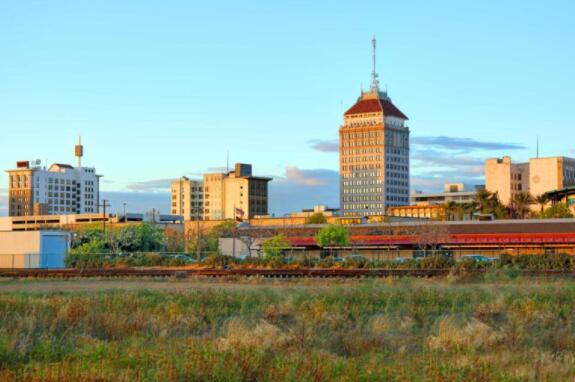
<point x="469" y="209"/>
<point x="482" y="200"/>
<point x="542" y="200"/>
<point x="450" y="210"/>
<point x="521" y="203"/>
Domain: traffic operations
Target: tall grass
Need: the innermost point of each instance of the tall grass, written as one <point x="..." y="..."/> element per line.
<point x="371" y="330"/>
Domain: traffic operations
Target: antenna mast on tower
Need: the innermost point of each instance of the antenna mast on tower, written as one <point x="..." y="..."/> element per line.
<point x="374" y="80"/>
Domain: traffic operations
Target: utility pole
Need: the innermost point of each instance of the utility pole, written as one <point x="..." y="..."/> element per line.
<point x="104" y="205"/>
<point x="125" y="216"/>
<point x="198" y="235"/>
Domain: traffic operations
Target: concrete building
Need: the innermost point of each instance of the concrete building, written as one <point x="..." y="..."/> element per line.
<point x="39" y="249"/>
<point x="187" y="198"/>
<point x="235" y="194"/>
<point x="538" y="176"/>
<point x="318" y="208"/>
<point x="57" y="190"/>
<point x="419" y="211"/>
<point x="373" y="154"/>
<point x="452" y="192"/>
<point x="39" y="222"/>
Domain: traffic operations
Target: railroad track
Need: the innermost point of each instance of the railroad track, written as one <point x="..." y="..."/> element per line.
<point x="266" y="273"/>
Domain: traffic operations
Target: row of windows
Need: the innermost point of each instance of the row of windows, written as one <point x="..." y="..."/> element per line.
<point x="362" y="198"/>
<point x="362" y="134"/>
<point x="370" y="174"/>
<point x="362" y="182"/>
<point x="369" y="150"/>
<point x="364" y="206"/>
<point x="366" y="190"/>
<point x="367" y="142"/>
<point x="370" y="166"/>
<point x="366" y="158"/>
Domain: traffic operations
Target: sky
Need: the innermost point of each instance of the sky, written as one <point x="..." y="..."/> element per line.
<point x="161" y="89"/>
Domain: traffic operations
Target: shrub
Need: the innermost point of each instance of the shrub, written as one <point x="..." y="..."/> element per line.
<point x="274" y="248"/>
<point x="316" y="218"/>
<point x="332" y="235"/>
<point x="435" y="262"/>
<point x="538" y="262"/>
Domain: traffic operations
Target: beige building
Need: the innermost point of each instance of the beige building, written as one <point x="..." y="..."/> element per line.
<point x="318" y="208"/>
<point x="536" y="177"/>
<point x="452" y="192"/>
<point x="419" y="211"/>
<point x="373" y="154"/>
<point x="235" y="191"/>
<point x="187" y="198"/>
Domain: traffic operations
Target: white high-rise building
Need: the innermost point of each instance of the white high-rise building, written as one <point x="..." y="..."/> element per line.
<point x="60" y="189"/>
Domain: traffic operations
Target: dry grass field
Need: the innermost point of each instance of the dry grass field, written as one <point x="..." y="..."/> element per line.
<point x="296" y="330"/>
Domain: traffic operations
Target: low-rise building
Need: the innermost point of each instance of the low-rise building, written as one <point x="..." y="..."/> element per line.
<point x="452" y="192"/>
<point x="39" y="249"/>
<point x="419" y="211"/>
<point x="318" y="208"/>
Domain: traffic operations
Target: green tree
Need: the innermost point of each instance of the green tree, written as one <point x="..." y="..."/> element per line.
<point x="542" y="201"/>
<point x="224" y="229"/>
<point x="557" y="211"/>
<point x="521" y="204"/>
<point x="275" y="247"/>
<point x="332" y="235"/>
<point x="316" y="218"/>
<point x="483" y="200"/>
<point x="138" y="238"/>
<point x="454" y="211"/>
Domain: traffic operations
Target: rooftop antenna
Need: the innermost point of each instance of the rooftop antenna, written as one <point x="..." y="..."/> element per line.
<point x="228" y="161"/>
<point x="79" y="151"/>
<point x="374" y="80"/>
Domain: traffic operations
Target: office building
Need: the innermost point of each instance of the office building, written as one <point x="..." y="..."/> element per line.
<point x="374" y="154"/>
<point x="187" y="198"/>
<point x="452" y="192"/>
<point x="536" y="177"/>
<point x="57" y="190"/>
<point x="235" y="194"/>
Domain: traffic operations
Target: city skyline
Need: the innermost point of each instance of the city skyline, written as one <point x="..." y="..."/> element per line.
<point x="179" y="101"/>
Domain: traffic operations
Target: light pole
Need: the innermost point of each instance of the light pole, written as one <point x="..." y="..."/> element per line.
<point x="104" y="205"/>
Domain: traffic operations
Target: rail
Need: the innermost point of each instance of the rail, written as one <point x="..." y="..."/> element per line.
<point x="266" y="273"/>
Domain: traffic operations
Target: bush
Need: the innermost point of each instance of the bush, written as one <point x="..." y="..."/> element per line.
<point x="274" y="249"/>
<point x="217" y="259"/>
<point x="435" y="262"/>
<point x="538" y="262"/>
<point x="317" y="218"/>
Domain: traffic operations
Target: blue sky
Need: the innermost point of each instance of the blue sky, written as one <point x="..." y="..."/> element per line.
<point x="163" y="89"/>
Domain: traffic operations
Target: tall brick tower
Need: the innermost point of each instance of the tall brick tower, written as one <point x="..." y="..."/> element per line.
<point x="373" y="154"/>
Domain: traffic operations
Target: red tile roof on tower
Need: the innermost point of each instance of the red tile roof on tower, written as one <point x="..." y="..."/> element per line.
<point x="375" y="106"/>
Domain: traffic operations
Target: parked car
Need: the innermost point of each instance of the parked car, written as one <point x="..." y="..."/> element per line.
<point x="478" y="258"/>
